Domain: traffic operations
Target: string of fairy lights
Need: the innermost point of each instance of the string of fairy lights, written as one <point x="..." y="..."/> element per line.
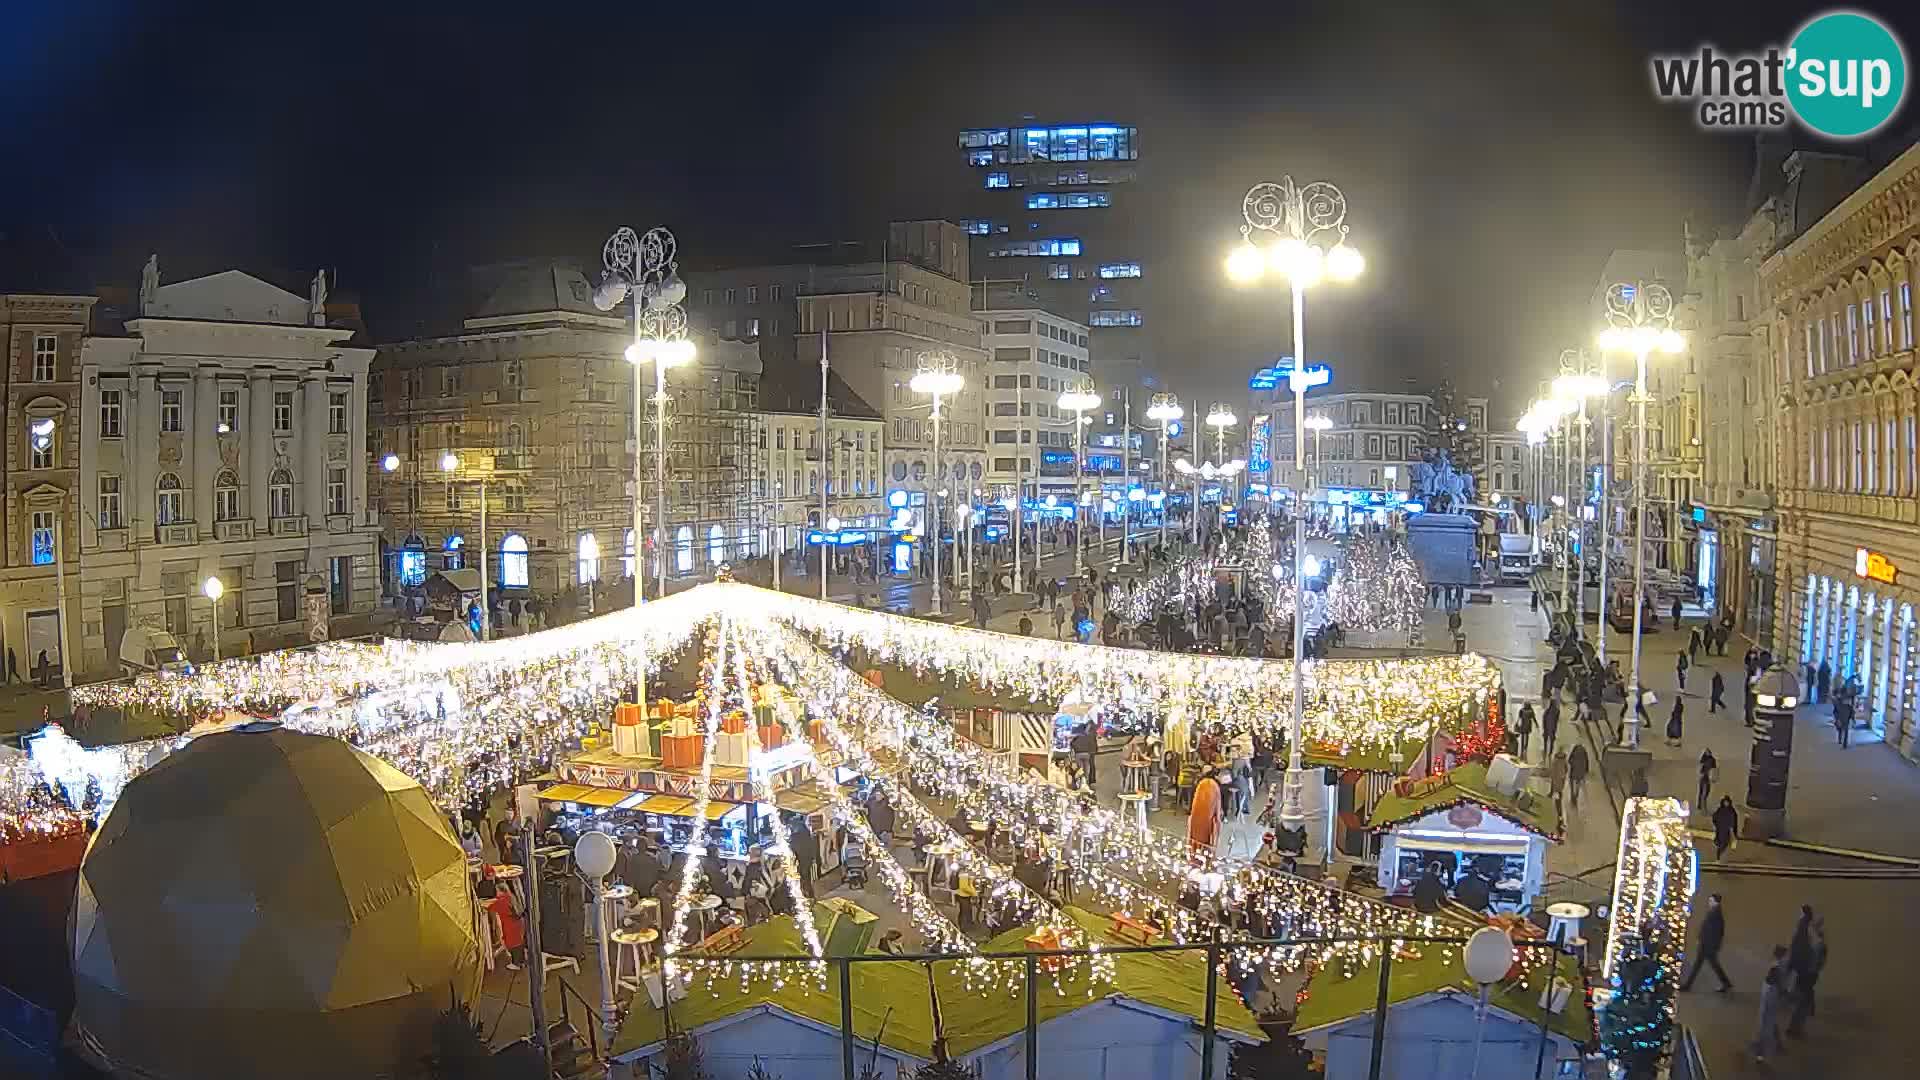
<point x="1656" y="872"/>
<point x="467" y="718"/>
<point x="712" y="671"/>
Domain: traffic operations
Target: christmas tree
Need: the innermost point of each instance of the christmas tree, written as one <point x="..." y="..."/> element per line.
<point x="1378" y="587"/>
<point x="1636" y="1026"/>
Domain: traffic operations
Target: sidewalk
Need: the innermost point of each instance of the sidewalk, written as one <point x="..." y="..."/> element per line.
<point x="1859" y="797"/>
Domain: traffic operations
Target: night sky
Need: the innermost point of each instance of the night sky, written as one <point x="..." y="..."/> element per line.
<point x="1491" y="154"/>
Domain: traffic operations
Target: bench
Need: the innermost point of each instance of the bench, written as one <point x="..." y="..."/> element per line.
<point x="1134" y="930"/>
<point x="725" y="940"/>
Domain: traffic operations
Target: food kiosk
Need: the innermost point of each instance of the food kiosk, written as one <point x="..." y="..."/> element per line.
<point x="1472" y="827"/>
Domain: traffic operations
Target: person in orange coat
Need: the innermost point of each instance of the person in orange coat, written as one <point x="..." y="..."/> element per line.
<point x="1203" y="824"/>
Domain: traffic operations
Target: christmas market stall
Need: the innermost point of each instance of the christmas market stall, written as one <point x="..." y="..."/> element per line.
<point x="1479" y="824"/>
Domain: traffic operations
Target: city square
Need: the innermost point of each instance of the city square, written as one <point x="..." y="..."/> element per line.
<point x="932" y="613"/>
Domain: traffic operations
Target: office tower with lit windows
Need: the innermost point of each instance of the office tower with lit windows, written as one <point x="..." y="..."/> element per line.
<point x="1057" y="209"/>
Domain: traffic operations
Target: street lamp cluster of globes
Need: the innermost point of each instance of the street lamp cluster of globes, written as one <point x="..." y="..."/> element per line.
<point x="1297" y="260"/>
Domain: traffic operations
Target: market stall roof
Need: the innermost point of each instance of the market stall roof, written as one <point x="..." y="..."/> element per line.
<point x="1468" y="784"/>
<point x="1334" y="996"/>
<point x="896" y="995"/>
<point x="652" y="803"/>
<point x="1373" y="759"/>
<point x="463" y="580"/>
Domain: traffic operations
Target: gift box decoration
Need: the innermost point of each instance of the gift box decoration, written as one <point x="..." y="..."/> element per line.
<point x="681" y="727"/>
<point x="681" y="751"/>
<point x="734" y="722"/>
<point x="731" y="748"/>
<point x="772" y="736"/>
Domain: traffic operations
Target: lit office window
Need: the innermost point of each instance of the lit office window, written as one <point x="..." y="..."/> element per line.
<point x="1120" y="270"/>
<point x="997" y="180"/>
<point x="1129" y="317"/>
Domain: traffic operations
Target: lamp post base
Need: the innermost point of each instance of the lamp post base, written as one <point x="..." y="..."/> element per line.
<point x="1293" y="814"/>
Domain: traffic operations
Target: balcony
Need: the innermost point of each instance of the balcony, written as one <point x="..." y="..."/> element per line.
<point x="176" y="534"/>
<point x="288" y="526"/>
<point x="339" y="524"/>
<point x="239" y="529"/>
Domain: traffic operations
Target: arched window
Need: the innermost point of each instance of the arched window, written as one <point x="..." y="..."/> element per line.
<point x="516" y="374"/>
<point x="626" y="562"/>
<point x="167" y="500"/>
<point x="513" y="561"/>
<point x="683" y="550"/>
<point x="280" y="494"/>
<point x="589" y="558"/>
<point x="226" y="496"/>
<point x="716" y="545"/>
<point x="453" y="552"/>
<point x="516" y="438"/>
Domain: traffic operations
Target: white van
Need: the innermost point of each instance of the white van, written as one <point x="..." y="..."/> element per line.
<point x="146" y="648"/>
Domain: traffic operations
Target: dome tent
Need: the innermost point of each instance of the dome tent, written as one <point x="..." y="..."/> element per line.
<point x="269" y="903"/>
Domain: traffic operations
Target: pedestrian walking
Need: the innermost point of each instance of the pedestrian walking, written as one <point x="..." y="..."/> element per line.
<point x="1534" y="603"/>
<point x="1842" y="721"/>
<point x="1557" y="777"/>
<point x="1576" y="773"/>
<point x="1825" y="678"/>
<point x="1526" y="728"/>
<point x="1713" y="933"/>
<point x="1693" y="643"/>
<point x="1805" y="981"/>
<point x="1709" y="769"/>
<point x="1059" y="620"/>
<point x="1680" y="665"/>
<point x="1674" y="720"/>
<point x="1747" y="701"/>
<point x="1766" y="1036"/>
<point x="1719" y="691"/>
<point x="1726" y="823"/>
<point x="1676" y="613"/>
<point x="1549" y="728"/>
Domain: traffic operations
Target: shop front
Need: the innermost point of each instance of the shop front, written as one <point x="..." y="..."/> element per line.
<point x="1860" y="626"/>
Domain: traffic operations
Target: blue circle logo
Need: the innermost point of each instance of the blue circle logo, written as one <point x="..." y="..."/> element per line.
<point x="1847" y="74"/>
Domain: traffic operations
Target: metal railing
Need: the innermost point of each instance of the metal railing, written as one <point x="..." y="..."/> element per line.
<point x="1217" y="951"/>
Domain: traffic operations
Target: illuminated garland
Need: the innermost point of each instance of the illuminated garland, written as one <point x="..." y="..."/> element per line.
<point x="696" y="841"/>
<point x="1656" y="872"/>
<point x="1378" y="587"/>
<point x="1365" y="704"/>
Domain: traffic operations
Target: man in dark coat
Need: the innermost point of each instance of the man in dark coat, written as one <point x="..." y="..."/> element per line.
<point x="1429" y="892"/>
<point x="806" y="853"/>
<point x="1713" y="931"/>
<point x="1549" y="728"/>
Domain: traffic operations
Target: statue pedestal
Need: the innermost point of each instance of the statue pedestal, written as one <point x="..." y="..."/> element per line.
<point x="1443" y="546"/>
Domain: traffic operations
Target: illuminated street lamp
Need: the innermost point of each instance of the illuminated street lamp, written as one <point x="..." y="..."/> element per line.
<point x="1303" y="231"/>
<point x="1640" y="321"/>
<point x="390" y="462"/>
<point x="1572" y="389"/>
<point x="1077" y="401"/>
<point x="1220" y="417"/>
<point x="449" y="464"/>
<point x="213" y="589"/>
<point x="645" y="267"/>
<point x="938" y="376"/>
<point x="1166" y="409"/>
<point x="1318" y="423"/>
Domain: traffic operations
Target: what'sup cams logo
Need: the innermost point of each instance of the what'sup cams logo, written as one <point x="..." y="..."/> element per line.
<point x="1843" y="75"/>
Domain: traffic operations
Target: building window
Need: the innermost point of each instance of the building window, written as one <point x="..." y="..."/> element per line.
<point x="1906" y="315"/>
<point x="1060" y="271"/>
<point x="280" y="494"/>
<point x="683" y="549"/>
<point x="513" y="561"/>
<point x="226" y="497"/>
<point x="1853" y="336"/>
<point x="40" y="442"/>
<point x="753" y="328"/>
<point x="773" y="294"/>
<point x="109" y="414"/>
<point x="1120" y="270"/>
<point x="753" y="294"/>
<point x="42" y="537"/>
<point x="46" y="348"/>
<point x="170" y="410"/>
<point x="514" y="498"/>
<point x="286" y="589"/>
<point x="449" y="381"/>
<point x="716" y="545"/>
<point x="340" y="584"/>
<point x="997" y="180"/>
<point x="167" y="505"/>
<point x="589" y="548"/>
<point x="1128" y="317"/>
<point x="1872" y="344"/>
<point x="516" y="374"/>
<point x="336" y="413"/>
<point x="109" y="502"/>
<point x="1810" y="353"/>
<point x="282" y="411"/>
<point x="229" y="412"/>
<point x="336" y="489"/>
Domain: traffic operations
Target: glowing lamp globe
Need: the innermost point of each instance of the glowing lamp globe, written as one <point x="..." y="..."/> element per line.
<point x="1488" y="955"/>
<point x="594" y="854"/>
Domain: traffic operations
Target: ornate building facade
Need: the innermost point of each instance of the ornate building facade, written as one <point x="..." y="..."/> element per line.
<point x="224" y="435"/>
<point x="1841" y="339"/>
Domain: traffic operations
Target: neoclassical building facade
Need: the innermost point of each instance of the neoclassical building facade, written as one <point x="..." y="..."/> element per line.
<point x="1842" y="337"/>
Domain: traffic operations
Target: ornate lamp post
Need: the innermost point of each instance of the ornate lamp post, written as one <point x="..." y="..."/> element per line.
<point x="1573" y="389"/>
<point x="1318" y="423"/>
<point x="1220" y="417"/>
<point x="1304" y="232"/>
<point x="645" y="267"/>
<point x="1078" y="401"/>
<point x="1640" y="321"/>
<point x="937" y="376"/>
<point x="1166" y="409"/>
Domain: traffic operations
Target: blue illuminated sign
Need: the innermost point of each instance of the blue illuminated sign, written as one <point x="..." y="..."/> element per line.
<point x="1300" y="380"/>
<point x="1264" y="379"/>
<point x="896" y="498"/>
<point x="1258" y="462"/>
<point x="1700" y="513"/>
<point x="1174" y="429"/>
